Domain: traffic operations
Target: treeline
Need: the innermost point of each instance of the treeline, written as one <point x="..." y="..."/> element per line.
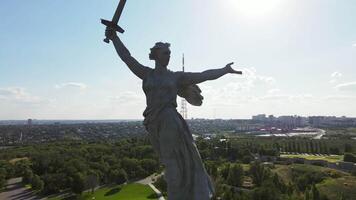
<point x="237" y="177"/>
<point x="51" y="168"/>
<point x="267" y="185"/>
<point x="258" y="181"/>
<point x="245" y="148"/>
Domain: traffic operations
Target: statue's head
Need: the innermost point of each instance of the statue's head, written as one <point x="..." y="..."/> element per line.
<point x="161" y="53"/>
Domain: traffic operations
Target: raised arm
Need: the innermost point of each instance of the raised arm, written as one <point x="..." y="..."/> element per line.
<point x="138" y="69"/>
<point x="189" y="78"/>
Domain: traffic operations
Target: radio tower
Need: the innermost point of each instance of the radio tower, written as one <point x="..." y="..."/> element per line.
<point x="184" y="109"/>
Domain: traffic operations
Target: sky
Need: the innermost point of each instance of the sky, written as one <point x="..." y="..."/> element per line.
<point x="298" y="57"/>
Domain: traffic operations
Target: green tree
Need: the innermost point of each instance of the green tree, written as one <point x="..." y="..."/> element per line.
<point x="92" y="180"/>
<point x="121" y="177"/>
<point x="348" y="157"/>
<point x="259" y="173"/>
<point x="78" y="185"/>
<point x="2" y="178"/>
<point x="51" y="183"/>
<point x="279" y="183"/>
<point x="224" y="170"/>
<point x="307" y="194"/>
<point x="27" y="176"/>
<point x="149" y="165"/>
<point x="37" y="183"/>
<point x="266" y="192"/>
<point x="353" y="172"/>
<point x="348" y="148"/>
<point x="315" y="193"/>
<point x="235" y="177"/>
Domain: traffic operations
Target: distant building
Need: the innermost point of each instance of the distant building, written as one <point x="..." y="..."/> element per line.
<point x="29" y="122"/>
<point x="260" y="117"/>
<point x="331" y="121"/>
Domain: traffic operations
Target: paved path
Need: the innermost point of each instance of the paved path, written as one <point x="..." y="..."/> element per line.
<point x="159" y="194"/>
<point x="149" y="181"/>
<point x="15" y="191"/>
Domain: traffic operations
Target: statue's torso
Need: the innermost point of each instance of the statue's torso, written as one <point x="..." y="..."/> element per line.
<point x="160" y="90"/>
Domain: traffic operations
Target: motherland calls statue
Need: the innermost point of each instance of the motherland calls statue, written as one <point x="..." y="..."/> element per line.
<point x="168" y="132"/>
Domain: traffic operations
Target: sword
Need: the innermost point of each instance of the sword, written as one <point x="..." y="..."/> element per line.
<point x="115" y="19"/>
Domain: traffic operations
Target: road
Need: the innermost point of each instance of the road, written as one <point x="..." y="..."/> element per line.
<point x="15" y="191"/>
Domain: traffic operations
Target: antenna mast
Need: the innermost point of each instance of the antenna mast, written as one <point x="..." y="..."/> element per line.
<point x="184" y="110"/>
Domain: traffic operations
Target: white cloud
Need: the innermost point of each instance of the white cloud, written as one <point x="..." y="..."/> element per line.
<point x="354" y="45"/>
<point x="333" y="81"/>
<point x="274" y="97"/>
<point x="339" y="98"/>
<point x="251" y="75"/>
<point x="77" y="85"/>
<point x="251" y="79"/>
<point x="127" y="97"/>
<point x="273" y="91"/>
<point x="240" y="91"/>
<point x="351" y="86"/>
<point x="336" y="74"/>
<point x="18" y="95"/>
<point x="277" y="97"/>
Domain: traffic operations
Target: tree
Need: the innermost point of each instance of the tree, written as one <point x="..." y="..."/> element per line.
<point x="118" y="176"/>
<point x="259" y="173"/>
<point x="50" y="183"/>
<point x="247" y="159"/>
<point x="266" y="192"/>
<point x="279" y="183"/>
<point x="27" y="176"/>
<point x="334" y="150"/>
<point x="211" y="168"/>
<point x="78" y="185"/>
<point x="353" y="172"/>
<point x="37" y="183"/>
<point x="228" y="194"/>
<point x="348" y="157"/>
<point x="2" y="178"/>
<point x="235" y="177"/>
<point x="315" y="193"/>
<point x="121" y="177"/>
<point x="348" y="148"/>
<point x="92" y="180"/>
<point x="149" y="165"/>
<point x="307" y="195"/>
<point x="224" y="171"/>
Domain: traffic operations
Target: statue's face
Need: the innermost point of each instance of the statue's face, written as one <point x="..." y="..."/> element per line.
<point x="163" y="56"/>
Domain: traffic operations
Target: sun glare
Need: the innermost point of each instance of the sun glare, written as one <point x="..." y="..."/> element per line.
<point x="256" y="8"/>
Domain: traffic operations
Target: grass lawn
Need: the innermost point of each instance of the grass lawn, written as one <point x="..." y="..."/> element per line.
<point x="246" y="167"/>
<point x="335" y="184"/>
<point x="132" y="191"/>
<point x="335" y="188"/>
<point x="285" y="171"/>
<point x="333" y="158"/>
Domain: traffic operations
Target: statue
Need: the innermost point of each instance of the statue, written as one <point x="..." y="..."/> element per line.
<point x="168" y="132"/>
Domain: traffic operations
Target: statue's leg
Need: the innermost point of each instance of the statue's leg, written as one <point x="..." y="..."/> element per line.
<point x="175" y="157"/>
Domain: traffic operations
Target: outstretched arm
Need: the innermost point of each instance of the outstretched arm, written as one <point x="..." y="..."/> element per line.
<point x="138" y="69"/>
<point x="188" y="78"/>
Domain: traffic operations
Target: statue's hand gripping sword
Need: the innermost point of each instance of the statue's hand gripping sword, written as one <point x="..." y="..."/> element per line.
<point x="115" y="19"/>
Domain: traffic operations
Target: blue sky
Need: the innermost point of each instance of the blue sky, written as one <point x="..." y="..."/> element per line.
<point x="298" y="56"/>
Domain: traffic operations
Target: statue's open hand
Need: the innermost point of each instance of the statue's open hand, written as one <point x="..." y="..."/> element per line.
<point x="231" y="70"/>
<point x="110" y="33"/>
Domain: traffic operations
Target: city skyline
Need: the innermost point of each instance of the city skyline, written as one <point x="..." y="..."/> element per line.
<point x="297" y="57"/>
